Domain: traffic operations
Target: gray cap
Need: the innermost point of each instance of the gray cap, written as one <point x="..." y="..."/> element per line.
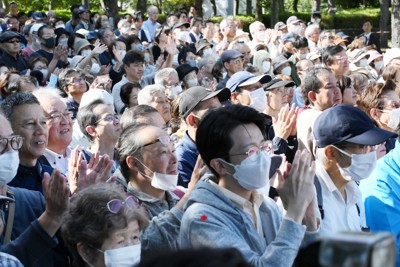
<point x="277" y="82"/>
<point x="230" y="54"/>
<point x="279" y="61"/>
<point x="279" y="26"/>
<point x="8" y="35"/>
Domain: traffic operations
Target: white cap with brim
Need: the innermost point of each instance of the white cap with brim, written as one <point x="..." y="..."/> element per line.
<point x="276" y="83"/>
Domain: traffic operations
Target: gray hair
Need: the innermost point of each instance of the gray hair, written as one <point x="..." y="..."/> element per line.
<point x="136" y="114"/>
<point x="163" y="74"/>
<point x="224" y="23"/>
<point x="15" y="100"/>
<point x="130" y="144"/>
<point x="145" y="96"/>
<point x="254" y="25"/>
<point x="310" y="30"/>
<point x="46" y="92"/>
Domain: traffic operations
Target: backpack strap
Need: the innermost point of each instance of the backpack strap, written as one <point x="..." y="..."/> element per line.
<point x="319" y="196"/>
<point x="10" y="206"/>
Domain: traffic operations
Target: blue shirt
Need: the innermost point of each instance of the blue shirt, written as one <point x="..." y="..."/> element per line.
<point x="187" y="153"/>
<point x="381" y="196"/>
<point x="151" y="27"/>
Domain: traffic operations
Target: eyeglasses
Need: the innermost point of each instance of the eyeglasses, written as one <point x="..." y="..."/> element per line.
<point x="115" y="205"/>
<point x="328" y="37"/>
<point x="15" y="142"/>
<point x="49" y="36"/>
<point x="76" y="80"/>
<point x="14" y="41"/>
<point x="266" y="146"/>
<point x="56" y="116"/>
<point x="164" y="139"/>
<point x="109" y="118"/>
<point x="342" y="59"/>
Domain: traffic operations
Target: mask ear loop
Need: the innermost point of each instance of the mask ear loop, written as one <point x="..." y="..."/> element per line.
<point x="145" y="175"/>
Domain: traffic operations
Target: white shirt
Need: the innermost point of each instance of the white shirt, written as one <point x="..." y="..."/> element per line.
<point x="339" y="214"/>
<point x="305" y="124"/>
<point x="58" y="161"/>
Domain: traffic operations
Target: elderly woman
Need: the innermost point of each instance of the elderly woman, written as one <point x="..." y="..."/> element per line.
<point x="262" y="61"/>
<point x="103" y="226"/>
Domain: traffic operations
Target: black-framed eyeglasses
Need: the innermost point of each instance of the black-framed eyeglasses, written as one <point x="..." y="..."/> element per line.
<point x="15" y="143"/>
<point x="266" y="146"/>
<point x="56" y="116"/>
<point x="164" y="139"/>
<point x="109" y="118"/>
<point x="115" y="205"/>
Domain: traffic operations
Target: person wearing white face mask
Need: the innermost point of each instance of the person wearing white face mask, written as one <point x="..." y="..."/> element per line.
<point x="112" y="223"/>
<point x="262" y="61"/>
<point x="148" y="162"/>
<point x="227" y="210"/>
<point x="344" y="136"/>
<point x="375" y="64"/>
<point x="187" y="75"/>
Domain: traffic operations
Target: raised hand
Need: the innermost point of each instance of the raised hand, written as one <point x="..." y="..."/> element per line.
<point x="99" y="48"/>
<point x="296" y="187"/>
<point x="171" y="46"/>
<point x="199" y="170"/>
<point x="286" y="121"/>
<point x="56" y="193"/>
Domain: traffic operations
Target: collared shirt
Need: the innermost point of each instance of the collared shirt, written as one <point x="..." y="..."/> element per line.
<point x="195" y="37"/>
<point x="18" y="63"/>
<point x="340" y="214"/>
<point x="151" y="27"/>
<point x="154" y="206"/>
<point x="31" y="177"/>
<point x="72" y="106"/>
<point x="187" y="153"/>
<point x="58" y="161"/>
<point x="251" y="208"/>
<point x="118" y="104"/>
<point x="9" y="260"/>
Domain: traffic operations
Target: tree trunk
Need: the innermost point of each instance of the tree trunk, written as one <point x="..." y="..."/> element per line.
<point x="199" y="6"/>
<point x="51" y="5"/>
<point x="295" y="3"/>
<point x="384" y="21"/>
<point x="316" y="5"/>
<point x="395" y="23"/>
<point x="331" y="7"/>
<point x="142" y="5"/>
<point x="110" y="7"/>
<point x="281" y="5"/>
<point x="236" y="7"/>
<point x="275" y="12"/>
<point x="259" y="10"/>
<point x="214" y="6"/>
<point x="6" y="6"/>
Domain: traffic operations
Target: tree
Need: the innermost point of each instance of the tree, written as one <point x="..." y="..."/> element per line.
<point x="395" y="23"/>
<point x="111" y="7"/>
<point x="384" y="21"/>
<point x="275" y="12"/>
<point x="142" y="5"/>
<point x="259" y="8"/>
<point x="316" y="5"/>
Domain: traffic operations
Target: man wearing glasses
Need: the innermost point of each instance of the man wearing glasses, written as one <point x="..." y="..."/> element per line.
<point x="59" y="123"/>
<point x="74" y="85"/>
<point x="228" y="209"/>
<point x="148" y="162"/>
<point x="28" y="120"/>
<point x="10" y="45"/>
<point x="233" y="62"/>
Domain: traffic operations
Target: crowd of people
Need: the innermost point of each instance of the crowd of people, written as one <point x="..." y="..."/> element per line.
<point x="191" y="143"/>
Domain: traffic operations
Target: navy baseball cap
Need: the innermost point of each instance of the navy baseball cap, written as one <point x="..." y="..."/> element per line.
<point x="230" y="54"/>
<point x="288" y="37"/>
<point x="244" y="78"/>
<point x="347" y="123"/>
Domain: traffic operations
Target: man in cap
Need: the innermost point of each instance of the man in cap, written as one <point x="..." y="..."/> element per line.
<point x="187" y="75"/>
<point x="203" y="48"/>
<point x="322" y="92"/>
<point x="233" y="62"/>
<point x="84" y="15"/>
<point x="345" y="154"/>
<point x="193" y="104"/>
<point x="281" y="27"/>
<point x="227" y="210"/>
<point x="294" y="25"/>
<point x="10" y="45"/>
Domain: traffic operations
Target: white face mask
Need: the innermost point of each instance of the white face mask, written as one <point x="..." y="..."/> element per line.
<point x="147" y="58"/>
<point x="44" y="72"/>
<point x="258" y="99"/>
<point x="9" y="163"/>
<point x="207" y="52"/>
<point x="252" y="173"/>
<point x="363" y="62"/>
<point x="122" y="53"/>
<point x="261" y="35"/>
<point x="192" y="62"/>
<point x="123" y="257"/>
<point x="85" y="53"/>
<point x="95" y="69"/>
<point x="286" y="71"/>
<point x="63" y="42"/>
<point x="125" y="30"/>
<point x="297" y="29"/>
<point x="192" y="82"/>
<point x="394" y="118"/>
<point x="361" y="165"/>
<point x="378" y="65"/>
<point x="303" y="56"/>
<point x="174" y="91"/>
<point x="163" y="181"/>
<point x="317" y="21"/>
<point x="266" y="66"/>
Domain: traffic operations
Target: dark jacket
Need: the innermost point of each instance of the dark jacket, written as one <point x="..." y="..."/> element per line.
<point x="187" y="153"/>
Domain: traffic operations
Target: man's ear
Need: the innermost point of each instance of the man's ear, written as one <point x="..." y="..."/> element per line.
<point x="312" y="96"/>
<point x="330" y="153"/>
<point x="218" y="166"/>
<point x="91" y="130"/>
<point x="192" y="120"/>
<point x="374" y="113"/>
<point x="66" y="89"/>
<point x="234" y="98"/>
<point x="132" y="163"/>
